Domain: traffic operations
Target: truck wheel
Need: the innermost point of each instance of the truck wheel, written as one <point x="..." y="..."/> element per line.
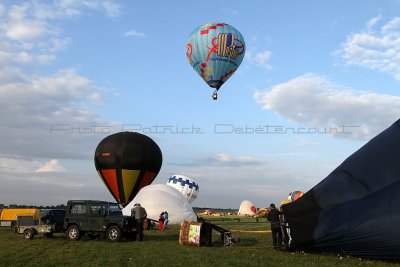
<point x="28" y="234"/>
<point x="73" y="233"/>
<point x="113" y="233"/>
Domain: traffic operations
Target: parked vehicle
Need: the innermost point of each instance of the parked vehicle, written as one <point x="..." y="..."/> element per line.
<point x="94" y="218"/>
<point x="52" y="222"/>
<point x="55" y="218"/>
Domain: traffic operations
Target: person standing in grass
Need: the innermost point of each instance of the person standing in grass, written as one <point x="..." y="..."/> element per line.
<point x="140" y="215"/>
<point x="161" y="222"/>
<point x="273" y="217"/>
<point x="166" y="220"/>
<point x="285" y="235"/>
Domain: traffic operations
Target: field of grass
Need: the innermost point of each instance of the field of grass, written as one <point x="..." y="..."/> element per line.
<point x="163" y="248"/>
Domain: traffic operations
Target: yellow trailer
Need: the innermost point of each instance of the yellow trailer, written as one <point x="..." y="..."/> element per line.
<point x="9" y="216"/>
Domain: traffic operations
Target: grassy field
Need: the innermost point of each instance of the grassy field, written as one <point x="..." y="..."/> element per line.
<point x="163" y="248"/>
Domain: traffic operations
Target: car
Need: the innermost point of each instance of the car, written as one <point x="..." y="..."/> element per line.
<point x="94" y="218"/>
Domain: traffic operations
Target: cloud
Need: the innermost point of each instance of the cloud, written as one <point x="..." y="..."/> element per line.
<point x="135" y="34"/>
<point x="260" y="59"/>
<point x="374" y="48"/>
<point x="316" y="102"/>
<point x="223" y="160"/>
<point x="44" y="118"/>
<point x="32" y="105"/>
<point x="2" y="10"/>
<point x="17" y="165"/>
<point x="28" y="166"/>
<point x="26" y="30"/>
<point x="51" y="166"/>
<point x="30" y="32"/>
<point x="112" y="9"/>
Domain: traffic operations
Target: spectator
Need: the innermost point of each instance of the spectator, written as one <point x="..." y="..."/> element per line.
<point x="140" y="214"/>
<point x="161" y="222"/>
<point x="165" y="219"/>
<point x="273" y="217"/>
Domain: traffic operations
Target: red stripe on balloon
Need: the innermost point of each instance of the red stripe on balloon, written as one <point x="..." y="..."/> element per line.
<point x="110" y="176"/>
<point x="148" y="177"/>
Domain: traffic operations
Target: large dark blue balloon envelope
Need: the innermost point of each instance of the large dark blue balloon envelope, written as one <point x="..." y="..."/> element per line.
<point x="355" y="210"/>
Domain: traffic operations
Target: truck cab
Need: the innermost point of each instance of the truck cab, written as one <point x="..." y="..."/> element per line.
<point x="94" y="217"/>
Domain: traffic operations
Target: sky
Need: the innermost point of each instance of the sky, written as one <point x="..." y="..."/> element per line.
<point x="318" y="80"/>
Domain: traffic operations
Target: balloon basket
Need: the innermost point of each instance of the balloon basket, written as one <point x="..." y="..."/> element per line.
<point x="200" y="234"/>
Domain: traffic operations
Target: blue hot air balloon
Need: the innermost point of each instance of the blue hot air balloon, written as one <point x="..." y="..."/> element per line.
<point x="215" y="51"/>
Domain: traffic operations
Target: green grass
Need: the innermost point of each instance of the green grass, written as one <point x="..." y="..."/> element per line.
<point x="163" y="249"/>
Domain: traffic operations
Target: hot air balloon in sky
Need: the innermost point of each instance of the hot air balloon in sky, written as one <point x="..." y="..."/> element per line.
<point x="355" y="209"/>
<point x="215" y="51"/>
<point x="126" y="162"/>
<point x="187" y="186"/>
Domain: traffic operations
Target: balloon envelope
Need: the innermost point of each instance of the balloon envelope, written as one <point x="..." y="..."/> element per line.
<point x="247" y="208"/>
<point x="354" y="210"/>
<point x="284" y="202"/>
<point x="126" y="162"/>
<point x="215" y="51"/>
<point x="295" y="195"/>
<point x="187" y="186"/>
<point x="161" y="197"/>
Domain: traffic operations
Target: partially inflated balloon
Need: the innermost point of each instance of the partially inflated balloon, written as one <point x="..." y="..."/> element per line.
<point x="295" y="195"/>
<point x="215" y="51"/>
<point x="284" y="202"/>
<point x="126" y="162"/>
<point x="355" y="209"/>
<point x="187" y="186"/>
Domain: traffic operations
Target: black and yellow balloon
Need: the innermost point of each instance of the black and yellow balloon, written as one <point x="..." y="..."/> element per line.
<point x="126" y="162"/>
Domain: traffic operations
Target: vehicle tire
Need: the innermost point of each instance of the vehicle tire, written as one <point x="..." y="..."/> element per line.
<point x="113" y="233"/>
<point x="73" y="233"/>
<point x="28" y="234"/>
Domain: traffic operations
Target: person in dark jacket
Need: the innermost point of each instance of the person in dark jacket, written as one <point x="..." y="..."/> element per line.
<point x="273" y="217"/>
<point x="285" y="234"/>
<point x="140" y="215"/>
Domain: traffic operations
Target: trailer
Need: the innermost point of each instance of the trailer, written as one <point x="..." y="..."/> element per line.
<point x="8" y="216"/>
<point x="30" y="231"/>
<point x="50" y="223"/>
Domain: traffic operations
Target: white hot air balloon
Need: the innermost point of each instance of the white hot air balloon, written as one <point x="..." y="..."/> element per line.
<point x="187" y="186"/>
<point x="247" y="208"/>
<point x="161" y="197"/>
